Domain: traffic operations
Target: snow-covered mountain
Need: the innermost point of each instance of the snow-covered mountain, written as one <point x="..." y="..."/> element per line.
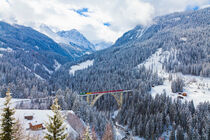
<point x="75" y="43"/>
<point x="130" y="35"/>
<point x="76" y="37"/>
<point x="48" y="31"/>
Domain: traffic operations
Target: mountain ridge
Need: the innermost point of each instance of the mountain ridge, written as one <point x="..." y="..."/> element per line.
<point x="75" y="43"/>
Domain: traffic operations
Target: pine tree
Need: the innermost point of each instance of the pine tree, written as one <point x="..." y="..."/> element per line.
<point x="172" y="135"/>
<point x="7" y="121"/>
<point x="55" y="127"/>
<point x="18" y="131"/>
<point x="87" y="134"/>
<point x="180" y="133"/>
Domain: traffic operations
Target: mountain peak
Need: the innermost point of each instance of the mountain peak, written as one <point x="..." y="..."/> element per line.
<point x="74" y="36"/>
<point x="69" y="32"/>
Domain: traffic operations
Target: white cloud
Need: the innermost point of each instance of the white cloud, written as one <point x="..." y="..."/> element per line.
<point x="122" y="15"/>
<point x="168" y="6"/>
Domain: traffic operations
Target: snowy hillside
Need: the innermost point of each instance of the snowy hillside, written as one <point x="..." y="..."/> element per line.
<point x="80" y="66"/>
<point x="6" y="49"/>
<point x="196" y="87"/>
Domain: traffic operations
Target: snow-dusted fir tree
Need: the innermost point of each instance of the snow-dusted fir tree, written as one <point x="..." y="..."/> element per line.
<point x="19" y="133"/>
<point x="87" y="134"/>
<point x="55" y="126"/>
<point x="7" y="121"/>
<point x="172" y="135"/>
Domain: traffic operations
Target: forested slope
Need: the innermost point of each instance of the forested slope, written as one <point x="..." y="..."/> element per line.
<point x="185" y="37"/>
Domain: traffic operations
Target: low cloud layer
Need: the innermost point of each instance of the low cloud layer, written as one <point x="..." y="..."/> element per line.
<point x="96" y="19"/>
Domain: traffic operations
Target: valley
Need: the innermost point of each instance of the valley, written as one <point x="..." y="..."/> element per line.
<point x="165" y="64"/>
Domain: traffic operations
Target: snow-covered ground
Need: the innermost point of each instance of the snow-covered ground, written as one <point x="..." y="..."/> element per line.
<point x="39" y="77"/>
<point x="13" y="101"/>
<point x="56" y="65"/>
<point x="196" y="87"/>
<point x="36" y="47"/>
<point x="6" y="49"/>
<point x="80" y="66"/>
<point x="39" y="117"/>
<point x="35" y="65"/>
<point x="183" y="38"/>
<point x="49" y="71"/>
<point x="26" y="68"/>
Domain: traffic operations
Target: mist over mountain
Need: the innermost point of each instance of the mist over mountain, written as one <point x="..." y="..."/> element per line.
<point x="102" y="45"/>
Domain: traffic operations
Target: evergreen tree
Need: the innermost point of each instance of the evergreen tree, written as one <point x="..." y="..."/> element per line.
<point x="167" y="122"/>
<point x="7" y="121"/>
<point x="177" y="85"/>
<point x="172" y="135"/>
<point x="180" y="133"/>
<point x="55" y="127"/>
<point x="18" y="131"/>
<point x="87" y="135"/>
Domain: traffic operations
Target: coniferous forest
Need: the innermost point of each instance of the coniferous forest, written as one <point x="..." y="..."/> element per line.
<point x="172" y="52"/>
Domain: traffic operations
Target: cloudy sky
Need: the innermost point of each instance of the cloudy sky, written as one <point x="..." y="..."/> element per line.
<point x="98" y="20"/>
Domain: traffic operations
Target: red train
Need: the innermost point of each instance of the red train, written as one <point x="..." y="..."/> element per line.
<point x="110" y="91"/>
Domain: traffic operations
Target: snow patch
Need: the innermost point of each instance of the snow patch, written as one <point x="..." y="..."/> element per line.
<point x="141" y="32"/>
<point x="119" y="134"/>
<point x="6" y="49"/>
<point x="88" y="53"/>
<point x="183" y="39"/>
<point x="46" y="69"/>
<point x="36" y="47"/>
<point x="1" y="55"/>
<point x="56" y="65"/>
<point x="154" y="62"/>
<point x="14" y="101"/>
<point x="26" y="68"/>
<point x="35" y="65"/>
<point x="39" y="77"/>
<point x="80" y="66"/>
<point x="115" y="114"/>
<point x="177" y="19"/>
